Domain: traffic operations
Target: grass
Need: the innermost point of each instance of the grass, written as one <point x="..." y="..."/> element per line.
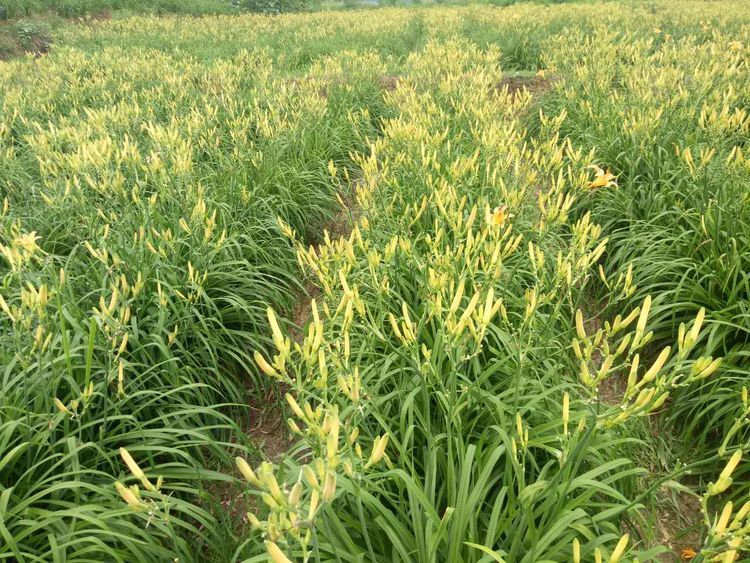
<point x="529" y="346"/>
<point x="27" y="26"/>
<point x="12" y="9"/>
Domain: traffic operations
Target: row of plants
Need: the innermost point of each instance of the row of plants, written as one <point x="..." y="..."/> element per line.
<point x="524" y="33"/>
<point x="449" y="398"/>
<point x="139" y="250"/>
<point x="669" y="116"/>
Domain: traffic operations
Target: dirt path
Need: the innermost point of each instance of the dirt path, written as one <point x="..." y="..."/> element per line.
<point x="268" y="430"/>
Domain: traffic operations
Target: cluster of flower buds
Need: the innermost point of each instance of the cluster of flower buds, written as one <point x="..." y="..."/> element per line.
<point x="132" y="495"/>
<point x="22" y="248"/>
<point x="619" y="351"/>
<point x="729" y="531"/>
<point x="320" y="371"/>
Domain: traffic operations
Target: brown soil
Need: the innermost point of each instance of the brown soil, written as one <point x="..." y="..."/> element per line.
<point x="678" y="524"/>
<point x="39" y="45"/>
<point x="612" y="389"/>
<point x="103" y="15"/>
<point x="389" y="83"/>
<point x="9" y="44"/>
<point x="8" y="52"/>
<point x="342" y="223"/>
<point x="268" y="433"/>
<point x="272" y="432"/>
<point x="268" y="430"/>
<point x="677" y="515"/>
<point x="12" y="46"/>
<point x="301" y="311"/>
<point x="339" y="226"/>
<point x="534" y="85"/>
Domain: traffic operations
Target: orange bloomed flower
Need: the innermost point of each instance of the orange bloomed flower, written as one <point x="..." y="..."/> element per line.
<point x="499" y="216"/>
<point x="602" y="178"/>
<point x="688" y="554"/>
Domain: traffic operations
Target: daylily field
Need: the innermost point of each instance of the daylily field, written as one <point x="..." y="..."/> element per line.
<point x="430" y="284"/>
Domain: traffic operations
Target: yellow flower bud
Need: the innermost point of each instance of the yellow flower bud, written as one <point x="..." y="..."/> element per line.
<point x="378" y="450"/>
<point x="295" y="494"/>
<point x="278" y="337"/>
<point x="264" y="365"/>
<point x="619" y="549"/>
<point x="130" y="497"/>
<point x="695" y="331"/>
<point x="293" y="426"/>
<point x="731" y="465"/>
<point x="657" y="365"/>
<point x="579" y="325"/>
<point x="577" y="350"/>
<point x="721" y="524"/>
<point x="254" y="522"/>
<point x="314" y="500"/>
<point x="742" y="512"/>
<point x="135" y="470"/>
<point x="329" y="489"/>
<point x="295" y="407"/>
<point x="246" y="470"/>
<point x="275" y="553"/>
<point x="309" y="476"/>
<point x="719" y="487"/>
<point x="269" y="479"/>
<point x="61" y="407"/>
<point x="643" y="318"/>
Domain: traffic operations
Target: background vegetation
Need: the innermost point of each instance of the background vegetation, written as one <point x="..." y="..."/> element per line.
<point x="77" y="8"/>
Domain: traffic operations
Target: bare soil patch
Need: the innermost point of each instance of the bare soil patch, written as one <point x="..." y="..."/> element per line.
<point x="268" y="430"/>
<point x="389" y="83"/>
<point x="102" y="15"/>
<point x="514" y="84"/>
